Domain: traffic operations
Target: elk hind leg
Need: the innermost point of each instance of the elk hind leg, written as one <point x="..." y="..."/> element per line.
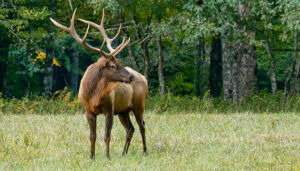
<point x="125" y="120"/>
<point x="139" y="119"/>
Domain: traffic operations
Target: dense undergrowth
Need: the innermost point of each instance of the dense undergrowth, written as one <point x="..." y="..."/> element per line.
<point x="64" y="102"/>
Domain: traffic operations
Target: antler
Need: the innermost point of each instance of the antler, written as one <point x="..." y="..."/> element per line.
<point x="113" y="52"/>
<point x="71" y="29"/>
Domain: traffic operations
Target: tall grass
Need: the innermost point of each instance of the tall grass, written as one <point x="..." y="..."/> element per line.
<point x="64" y="102"/>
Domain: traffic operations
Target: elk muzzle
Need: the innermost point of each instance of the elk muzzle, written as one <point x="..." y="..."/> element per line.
<point x="130" y="79"/>
<point x="122" y="75"/>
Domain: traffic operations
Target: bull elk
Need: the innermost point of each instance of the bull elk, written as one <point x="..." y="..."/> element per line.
<point x="109" y="88"/>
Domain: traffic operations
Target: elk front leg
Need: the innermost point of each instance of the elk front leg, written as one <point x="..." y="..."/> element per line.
<point x="108" y="125"/>
<point x="91" y="118"/>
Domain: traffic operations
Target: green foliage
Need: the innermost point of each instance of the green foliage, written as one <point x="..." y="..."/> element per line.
<point x="290" y="16"/>
<point x="263" y="64"/>
<point x="25" y="28"/>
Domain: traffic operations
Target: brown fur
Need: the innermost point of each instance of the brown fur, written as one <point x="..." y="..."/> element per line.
<point x="94" y="85"/>
<point x="100" y="95"/>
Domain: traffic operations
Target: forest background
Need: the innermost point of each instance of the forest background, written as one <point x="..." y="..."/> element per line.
<point x="231" y="52"/>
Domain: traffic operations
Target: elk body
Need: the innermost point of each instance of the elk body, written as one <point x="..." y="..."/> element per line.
<point x="109" y="88"/>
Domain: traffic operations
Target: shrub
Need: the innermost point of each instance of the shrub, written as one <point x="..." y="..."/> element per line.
<point x="64" y="102"/>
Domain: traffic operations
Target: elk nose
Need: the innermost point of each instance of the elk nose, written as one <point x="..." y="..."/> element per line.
<point x="131" y="78"/>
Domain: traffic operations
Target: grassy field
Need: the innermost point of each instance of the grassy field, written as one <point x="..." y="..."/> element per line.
<point x="175" y="141"/>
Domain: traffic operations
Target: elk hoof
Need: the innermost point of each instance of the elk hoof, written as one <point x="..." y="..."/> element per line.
<point x="107" y="156"/>
<point x="92" y="157"/>
<point x="124" y="153"/>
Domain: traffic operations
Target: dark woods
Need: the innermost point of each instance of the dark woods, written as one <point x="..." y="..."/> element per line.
<point x="197" y="48"/>
<point x="199" y="2"/>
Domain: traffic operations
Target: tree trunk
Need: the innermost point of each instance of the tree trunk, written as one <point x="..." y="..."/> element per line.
<point x="294" y="74"/>
<point x="48" y="77"/>
<point x="235" y="74"/>
<point x="246" y="64"/>
<point x="295" y="85"/>
<point x="228" y="56"/>
<point x="215" y="75"/>
<point x="132" y="58"/>
<point x="160" y="66"/>
<point x="146" y="59"/>
<point x="246" y="57"/>
<point x="239" y="63"/>
<point x="144" y="46"/>
<point x="200" y="78"/>
<point x="131" y="54"/>
<point x="2" y="75"/>
<point x="75" y="64"/>
<point x="272" y="68"/>
<point x="4" y="48"/>
<point x="288" y="79"/>
<point x="48" y="80"/>
<point x="239" y="60"/>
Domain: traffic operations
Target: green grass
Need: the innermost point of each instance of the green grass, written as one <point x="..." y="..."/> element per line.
<point x="175" y="141"/>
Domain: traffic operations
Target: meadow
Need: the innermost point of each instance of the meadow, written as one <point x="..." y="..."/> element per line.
<point x="223" y="83"/>
<point x="183" y="140"/>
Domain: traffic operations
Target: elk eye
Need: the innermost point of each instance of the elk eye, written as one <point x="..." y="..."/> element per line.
<point x="113" y="67"/>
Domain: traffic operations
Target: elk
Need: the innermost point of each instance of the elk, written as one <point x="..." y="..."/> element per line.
<point x="109" y="88"/>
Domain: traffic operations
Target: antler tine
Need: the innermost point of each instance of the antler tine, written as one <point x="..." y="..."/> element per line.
<point x="113" y="52"/>
<point x="102" y="45"/>
<point x="102" y="18"/>
<point x="119" y="30"/>
<point x="103" y="32"/>
<point x="72" y="20"/>
<point x="89" y="23"/>
<point x="86" y="33"/>
<point x="121" y="47"/>
<point x="59" y="25"/>
<point x="71" y="30"/>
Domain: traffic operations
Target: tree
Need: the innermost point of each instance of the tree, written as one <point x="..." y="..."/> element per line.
<point x="215" y="76"/>
<point x="4" y="48"/>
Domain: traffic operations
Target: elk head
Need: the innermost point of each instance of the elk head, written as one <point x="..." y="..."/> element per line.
<point x="113" y="70"/>
<point x="109" y="65"/>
